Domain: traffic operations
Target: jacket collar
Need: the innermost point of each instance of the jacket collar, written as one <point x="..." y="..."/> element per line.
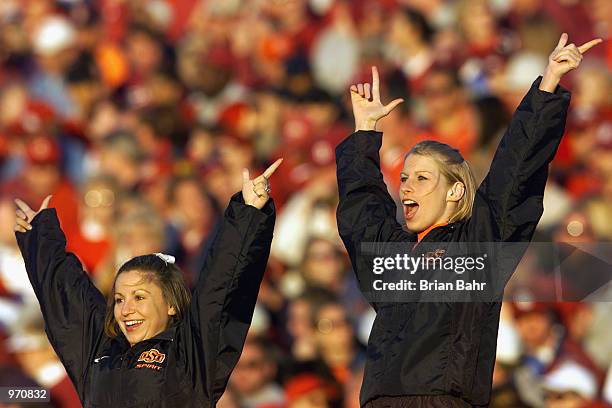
<point x="434" y="232"/>
<point x="422" y="235"/>
<point x="167" y="335"/>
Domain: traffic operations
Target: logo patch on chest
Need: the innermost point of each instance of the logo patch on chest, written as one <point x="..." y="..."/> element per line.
<point x="438" y="253"/>
<point x="150" y="359"/>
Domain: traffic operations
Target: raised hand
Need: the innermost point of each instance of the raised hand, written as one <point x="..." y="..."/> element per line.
<point x="564" y="58"/>
<point x="367" y="112"/>
<point x="24" y="214"/>
<point x="256" y="192"/>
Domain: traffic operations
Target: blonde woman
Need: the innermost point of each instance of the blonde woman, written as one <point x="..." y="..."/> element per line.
<point x="434" y="354"/>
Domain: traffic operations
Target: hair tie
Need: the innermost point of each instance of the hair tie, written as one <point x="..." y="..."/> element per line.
<point x="168" y="259"/>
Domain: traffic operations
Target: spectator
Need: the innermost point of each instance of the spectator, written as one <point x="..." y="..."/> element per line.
<point x="546" y="344"/>
<point x="307" y="390"/>
<point x="253" y="378"/>
<point x="43" y="176"/>
<point x="139" y="231"/>
<point x="193" y="214"/>
<point x="54" y="42"/>
<point x="570" y="386"/>
<point x="37" y="359"/>
<point x="335" y="340"/>
<point x="122" y="157"/>
<point x="409" y="38"/>
<point x="92" y="239"/>
<point x="449" y="115"/>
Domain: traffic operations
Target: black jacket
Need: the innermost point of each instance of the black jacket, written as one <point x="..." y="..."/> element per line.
<point x="185" y="366"/>
<point x="434" y="348"/>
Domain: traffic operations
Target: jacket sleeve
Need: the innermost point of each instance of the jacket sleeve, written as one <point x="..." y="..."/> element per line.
<point x="225" y="294"/>
<point x="509" y="202"/>
<point x="73" y="308"/>
<point x="366" y="212"/>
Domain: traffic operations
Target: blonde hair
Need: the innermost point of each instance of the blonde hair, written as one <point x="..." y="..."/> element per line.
<point x="455" y="168"/>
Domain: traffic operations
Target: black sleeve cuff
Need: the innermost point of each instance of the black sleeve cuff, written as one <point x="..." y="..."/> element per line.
<point x="543" y="96"/>
<point x="361" y="141"/>
<point x="237" y="206"/>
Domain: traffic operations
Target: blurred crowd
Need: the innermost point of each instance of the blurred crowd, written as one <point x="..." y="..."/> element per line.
<point x="139" y="115"/>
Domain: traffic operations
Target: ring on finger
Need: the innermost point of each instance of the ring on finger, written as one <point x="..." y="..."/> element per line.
<point x="265" y="184"/>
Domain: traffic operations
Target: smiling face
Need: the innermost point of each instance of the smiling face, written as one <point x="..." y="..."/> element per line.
<point x="427" y="196"/>
<point x="140" y="308"/>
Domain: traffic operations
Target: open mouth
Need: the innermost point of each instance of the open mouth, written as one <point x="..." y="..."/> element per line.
<point x="131" y="325"/>
<point x="410" y="208"/>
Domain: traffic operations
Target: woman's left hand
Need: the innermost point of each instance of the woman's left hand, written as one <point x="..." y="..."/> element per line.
<point x="24" y="214"/>
<point x="256" y="192"/>
<point x="562" y="60"/>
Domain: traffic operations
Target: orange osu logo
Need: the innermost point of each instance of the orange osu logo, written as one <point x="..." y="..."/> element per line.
<point x="152" y="356"/>
<point x="438" y="253"/>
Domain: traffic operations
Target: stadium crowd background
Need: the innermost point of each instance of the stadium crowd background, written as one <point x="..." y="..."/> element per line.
<point x="139" y="115"/>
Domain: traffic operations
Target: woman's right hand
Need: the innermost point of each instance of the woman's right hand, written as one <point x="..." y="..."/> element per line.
<point x="256" y="192"/>
<point x="367" y="112"/>
<point x="24" y="214"/>
<point x="562" y="60"/>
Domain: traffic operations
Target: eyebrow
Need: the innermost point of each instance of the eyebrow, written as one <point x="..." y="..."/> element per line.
<point x="418" y="171"/>
<point x="135" y="290"/>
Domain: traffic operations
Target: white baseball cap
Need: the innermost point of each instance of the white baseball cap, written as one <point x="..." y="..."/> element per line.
<point x="54" y="34"/>
<point x="570" y="376"/>
<point x="523" y="68"/>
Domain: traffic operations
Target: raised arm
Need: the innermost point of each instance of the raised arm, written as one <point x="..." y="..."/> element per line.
<point x="366" y="211"/>
<point x="72" y="307"/>
<point x="508" y="203"/>
<point x="224" y="298"/>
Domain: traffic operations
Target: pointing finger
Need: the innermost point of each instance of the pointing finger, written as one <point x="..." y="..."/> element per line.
<point x="45" y="203"/>
<point x="375" y="84"/>
<point x="245" y="176"/>
<point x="587" y="46"/>
<point x="270" y="170"/>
